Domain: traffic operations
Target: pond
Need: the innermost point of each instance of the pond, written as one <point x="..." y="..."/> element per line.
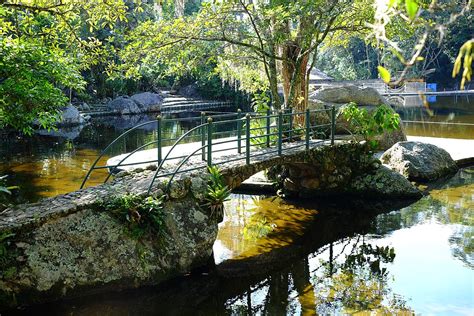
<point x="276" y="257"/>
<point x="56" y="162"/>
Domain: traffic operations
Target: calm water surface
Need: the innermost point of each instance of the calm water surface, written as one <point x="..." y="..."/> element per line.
<point x="275" y="257"/>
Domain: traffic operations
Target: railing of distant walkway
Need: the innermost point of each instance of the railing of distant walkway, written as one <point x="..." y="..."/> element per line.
<point x="252" y="130"/>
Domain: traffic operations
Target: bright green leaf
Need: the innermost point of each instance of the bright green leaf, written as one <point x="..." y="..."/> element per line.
<point x="384" y="74"/>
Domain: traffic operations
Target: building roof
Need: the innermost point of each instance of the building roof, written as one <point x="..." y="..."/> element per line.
<point x="317" y="74"/>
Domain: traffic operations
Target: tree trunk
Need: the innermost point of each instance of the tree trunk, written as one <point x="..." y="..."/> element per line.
<point x="295" y="79"/>
<point x="273" y="77"/>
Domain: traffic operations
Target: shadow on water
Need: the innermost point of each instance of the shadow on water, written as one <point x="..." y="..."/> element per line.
<point x="234" y="285"/>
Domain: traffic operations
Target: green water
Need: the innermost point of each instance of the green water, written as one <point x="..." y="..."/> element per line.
<point x="276" y="257"/>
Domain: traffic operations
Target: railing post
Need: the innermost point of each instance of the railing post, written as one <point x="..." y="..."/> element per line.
<point x="209" y="141"/>
<point x="306" y="119"/>
<point x="290" y="125"/>
<point x="247" y="139"/>
<point x="158" y="138"/>
<point x="333" y="123"/>
<point x="280" y="131"/>
<point x="203" y="136"/>
<point x="268" y="127"/>
<point x="239" y="131"/>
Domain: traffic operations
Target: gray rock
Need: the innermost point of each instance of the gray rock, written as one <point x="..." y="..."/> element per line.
<point x="83" y="107"/>
<point x="349" y="93"/>
<point x="148" y="101"/>
<point x="70" y="116"/>
<point x="124" y="105"/>
<point x="383" y="183"/>
<point x="419" y="161"/>
<point x="190" y="91"/>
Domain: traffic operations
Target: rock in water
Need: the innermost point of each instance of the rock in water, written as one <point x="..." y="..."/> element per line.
<point x="383" y="183"/>
<point x="419" y="161"/>
<point x="148" y="101"/>
<point x="349" y="93"/>
<point x="124" y="105"/>
<point x="71" y="117"/>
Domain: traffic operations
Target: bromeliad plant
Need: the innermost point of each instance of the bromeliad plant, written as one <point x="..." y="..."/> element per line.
<point x="217" y="192"/>
<point x="369" y="125"/>
<point x="143" y="215"/>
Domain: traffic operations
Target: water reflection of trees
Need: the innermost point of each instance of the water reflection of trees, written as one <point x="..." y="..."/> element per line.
<point x="350" y="281"/>
<point x="452" y="203"/>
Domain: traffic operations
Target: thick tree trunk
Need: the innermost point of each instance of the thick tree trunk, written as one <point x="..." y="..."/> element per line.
<point x="295" y="79"/>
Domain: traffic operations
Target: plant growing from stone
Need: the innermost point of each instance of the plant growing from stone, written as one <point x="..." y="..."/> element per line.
<point x="142" y="215"/>
<point x="217" y="192"/>
<point x="369" y="125"/>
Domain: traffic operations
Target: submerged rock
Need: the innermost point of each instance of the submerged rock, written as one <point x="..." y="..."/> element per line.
<point x="419" y="161"/>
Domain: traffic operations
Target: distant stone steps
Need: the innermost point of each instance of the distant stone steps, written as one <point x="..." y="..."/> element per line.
<point x="171" y="104"/>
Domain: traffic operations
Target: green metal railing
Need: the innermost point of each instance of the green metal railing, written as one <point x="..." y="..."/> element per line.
<point x="269" y="130"/>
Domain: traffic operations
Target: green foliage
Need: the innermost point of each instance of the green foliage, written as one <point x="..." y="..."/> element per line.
<point x="372" y="124"/>
<point x="217" y="192"/>
<point x="142" y="215"/>
<point x="32" y="77"/>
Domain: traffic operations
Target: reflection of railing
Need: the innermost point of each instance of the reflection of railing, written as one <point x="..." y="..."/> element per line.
<point x="270" y="130"/>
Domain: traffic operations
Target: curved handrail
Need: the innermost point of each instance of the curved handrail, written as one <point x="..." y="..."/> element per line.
<point x="128" y="155"/>
<point x="110" y="145"/>
<point x="169" y="152"/>
<point x="175" y="171"/>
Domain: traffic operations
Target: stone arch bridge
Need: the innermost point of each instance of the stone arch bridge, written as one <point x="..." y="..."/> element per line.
<point x="71" y="245"/>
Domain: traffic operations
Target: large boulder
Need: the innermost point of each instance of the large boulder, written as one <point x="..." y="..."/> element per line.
<point x="419" y="161"/>
<point x="70" y="116"/>
<point x="124" y="105"/>
<point x="383" y="182"/>
<point x="148" y="101"/>
<point x="72" y="245"/>
<point x="349" y="93"/>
